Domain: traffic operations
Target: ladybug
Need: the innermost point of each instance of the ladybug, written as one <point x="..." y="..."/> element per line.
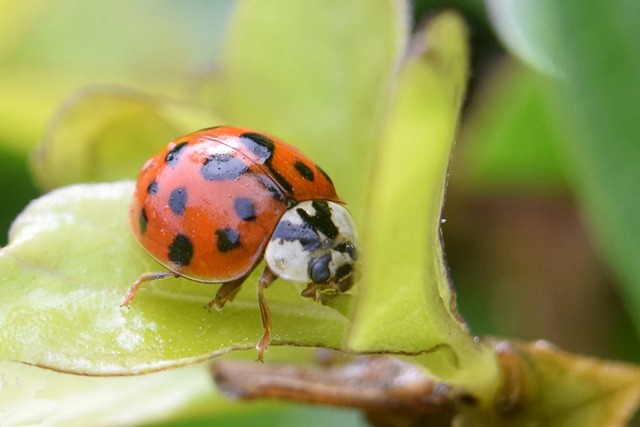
<point x="213" y="204"/>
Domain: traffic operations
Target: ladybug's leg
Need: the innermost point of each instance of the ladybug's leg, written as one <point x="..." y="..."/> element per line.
<point x="267" y="278"/>
<point x="312" y="291"/>
<point x="146" y="277"/>
<point x="226" y="292"/>
<point x="324" y="292"/>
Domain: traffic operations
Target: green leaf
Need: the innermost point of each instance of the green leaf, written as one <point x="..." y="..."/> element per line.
<point x="407" y="304"/>
<point x="69" y="261"/>
<point x="114" y="39"/>
<point x="175" y="397"/>
<point x="106" y="134"/>
<point x="524" y="28"/>
<point x="319" y="78"/>
<point x="511" y="136"/>
<point x="16" y="20"/>
<point x="34" y="396"/>
<point x="558" y="389"/>
<point x="595" y="45"/>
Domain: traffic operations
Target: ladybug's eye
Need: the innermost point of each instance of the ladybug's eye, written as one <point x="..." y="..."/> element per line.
<point x="319" y="271"/>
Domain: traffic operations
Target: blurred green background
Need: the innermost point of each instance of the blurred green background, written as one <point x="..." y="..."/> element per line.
<point x="540" y="210"/>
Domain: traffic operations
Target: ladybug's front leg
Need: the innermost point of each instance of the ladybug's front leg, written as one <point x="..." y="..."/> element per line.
<point x="144" y="278"/>
<point x="267" y="278"/>
<point x="320" y="292"/>
<point x="312" y="291"/>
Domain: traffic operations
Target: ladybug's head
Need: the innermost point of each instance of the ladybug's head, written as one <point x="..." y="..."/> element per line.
<point x="315" y="242"/>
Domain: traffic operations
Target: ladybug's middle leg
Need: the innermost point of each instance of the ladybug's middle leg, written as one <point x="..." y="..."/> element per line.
<point x="226" y="293"/>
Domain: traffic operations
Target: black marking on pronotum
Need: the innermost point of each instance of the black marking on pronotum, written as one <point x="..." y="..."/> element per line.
<point x="244" y="208"/>
<point x="174" y="154"/>
<point x="263" y="148"/>
<point x="228" y="239"/>
<point x="181" y="250"/>
<point x="348" y="248"/>
<point x="324" y="174"/>
<point x="223" y="166"/>
<point x="152" y="188"/>
<point x="305" y="171"/>
<point x="319" y="269"/>
<point x="142" y="221"/>
<point x="321" y="221"/>
<point x="303" y="233"/>
<point x="178" y="200"/>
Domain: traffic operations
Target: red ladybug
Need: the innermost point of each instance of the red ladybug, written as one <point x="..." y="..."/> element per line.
<point x="212" y="204"/>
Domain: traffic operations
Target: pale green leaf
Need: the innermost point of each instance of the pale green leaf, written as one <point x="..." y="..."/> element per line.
<point x="186" y="396"/>
<point x="69" y="261"/>
<point x="33" y="396"/>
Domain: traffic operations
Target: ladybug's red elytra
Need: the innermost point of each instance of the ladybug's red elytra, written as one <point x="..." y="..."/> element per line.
<point x="212" y="204"/>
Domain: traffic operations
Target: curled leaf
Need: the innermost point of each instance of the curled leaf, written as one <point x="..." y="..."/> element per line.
<point x="407" y="304"/>
<point x="107" y="133"/>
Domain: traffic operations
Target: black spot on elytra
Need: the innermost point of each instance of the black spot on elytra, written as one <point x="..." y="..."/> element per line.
<point x="142" y="221"/>
<point x="303" y="233"/>
<point x="305" y="171"/>
<point x="178" y="200"/>
<point x="244" y="208"/>
<point x="328" y="178"/>
<point x="268" y="185"/>
<point x="223" y="166"/>
<point x="152" y="188"/>
<point x="321" y="221"/>
<point x="181" y="250"/>
<point x="228" y="239"/>
<point x="173" y="156"/>
<point x="319" y="270"/>
<point x="263" y="147"/>
<point x="258" y="144"/>
<point x="280" y="179"/>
